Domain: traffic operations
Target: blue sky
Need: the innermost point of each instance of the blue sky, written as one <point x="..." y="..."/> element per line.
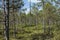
<point x="26" y="5"/>
<point x="27" y="2"/>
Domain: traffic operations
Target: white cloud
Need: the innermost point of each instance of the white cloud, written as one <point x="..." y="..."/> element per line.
<point x="34" y="1"/>
<point x="27" y="11"/>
